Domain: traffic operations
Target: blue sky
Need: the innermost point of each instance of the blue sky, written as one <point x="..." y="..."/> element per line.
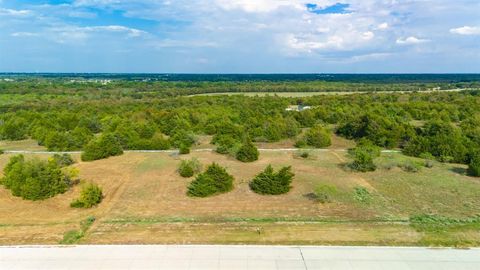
<point x="240" y="36"/>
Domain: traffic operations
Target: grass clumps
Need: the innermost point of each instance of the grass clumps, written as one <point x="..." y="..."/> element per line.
<point x="215" y="180"/>
<point x="247" y="152"/>
<point x="34" y="179"/>
<point x="362" y="195"/>
<point x="324" y="193"/>
<point x="270" y="182"/>
<point x="189" y="168"/>
<point x="428" y="222"/>
<point x="102" y="147"/>
<point x="410" y="166"/>
<point x="90" y="196"/>
<point x="74" y="236"/>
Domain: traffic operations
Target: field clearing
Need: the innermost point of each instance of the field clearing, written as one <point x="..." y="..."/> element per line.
<point x="27" y="145"/>
<point x="328" y="93"/>
<point x="145" y="202"/>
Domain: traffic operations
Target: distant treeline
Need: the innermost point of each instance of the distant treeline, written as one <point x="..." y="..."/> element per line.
<point x="347" y="78"/>
<point x="45" y="90"/>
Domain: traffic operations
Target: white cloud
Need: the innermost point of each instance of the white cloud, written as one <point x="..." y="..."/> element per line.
<point x="14" y="12"/>
<point x="132" y="32"/>
<point x="102" y="3"/>
<point x="340" y="41"/>
<point x="383" y="26"/>
<point x="258" y="5"/>
<point x="65" y="34"/>
<point x="466" y="30"/>
<point x="24" y="34"/>
<point x="411" y="41"/>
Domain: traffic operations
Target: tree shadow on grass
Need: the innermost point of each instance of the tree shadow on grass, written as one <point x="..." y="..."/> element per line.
<point x="459" y="170"/>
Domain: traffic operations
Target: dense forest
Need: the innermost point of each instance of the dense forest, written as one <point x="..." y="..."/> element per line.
<point x="129" y="115"/>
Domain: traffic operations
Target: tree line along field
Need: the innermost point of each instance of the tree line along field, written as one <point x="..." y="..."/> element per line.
<point x="423" y="193"/>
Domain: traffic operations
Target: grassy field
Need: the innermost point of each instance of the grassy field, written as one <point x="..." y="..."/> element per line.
<point x="145" y="202"/>
<point x="309" y="94"/>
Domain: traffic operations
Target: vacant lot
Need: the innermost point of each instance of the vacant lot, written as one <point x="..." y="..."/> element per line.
<point x="145" y="202"/>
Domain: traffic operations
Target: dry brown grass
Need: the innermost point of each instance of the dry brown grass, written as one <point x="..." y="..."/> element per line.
<point x="141" y="187"/>
<point x="255" y="233"/>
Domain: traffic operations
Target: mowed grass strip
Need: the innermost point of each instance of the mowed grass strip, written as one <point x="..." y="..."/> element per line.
<point x="293" y="233"/>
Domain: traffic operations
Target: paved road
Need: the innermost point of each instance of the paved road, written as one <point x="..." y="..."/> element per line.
<point x="236" y="257"/>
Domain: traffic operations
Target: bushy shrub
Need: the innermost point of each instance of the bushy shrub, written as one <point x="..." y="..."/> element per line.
<point x="324" y="193"/>
<point x="182" y="137"/>
<point x="215" y="180"/>
<point x="184" y="150"/>
<point x="34" y="179"/>
<point x="63" y="160"/>
<point x="189" y="168"/>
<point x="302" y="154"/>
<point x="363" y="156"/>
<point x="410" y="166"/>
<point x="270" y="182"/>
<point x="90" y="196"/>
<point x="318" y="137"/>
<point x="247" y="152"/>
<point x="429" y="159"/>
<point x="301" y="143"/>
<point x="105" y="146"/>
<point x="474" y="166"/>
<point x="224" y="143"/>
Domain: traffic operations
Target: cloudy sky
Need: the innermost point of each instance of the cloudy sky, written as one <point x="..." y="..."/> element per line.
<point x="240" y="36"/>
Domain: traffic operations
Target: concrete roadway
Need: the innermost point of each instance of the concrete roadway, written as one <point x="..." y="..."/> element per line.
<point x="235" y="257"/>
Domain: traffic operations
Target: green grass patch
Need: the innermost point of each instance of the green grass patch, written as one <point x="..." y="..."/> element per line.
<point x="74" y="236"/>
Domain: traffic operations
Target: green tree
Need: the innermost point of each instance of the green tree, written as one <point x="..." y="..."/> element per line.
<point x="318" y="137"/>
<point x="188" y="168"/>
<point x="91" y="195"/>
<point x="270" y="182"/>
<point x="215" y="180"/>
<point x="363" y="157"/>
<point x="105" y="146"/>
<point x="34" y="179"/>
<point x="14" y="129"/>
<point x="474" y="166"/>
<point x="247" y="152"/>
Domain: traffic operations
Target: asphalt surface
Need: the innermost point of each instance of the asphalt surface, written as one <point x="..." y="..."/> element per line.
<point x="235" y="257"/>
